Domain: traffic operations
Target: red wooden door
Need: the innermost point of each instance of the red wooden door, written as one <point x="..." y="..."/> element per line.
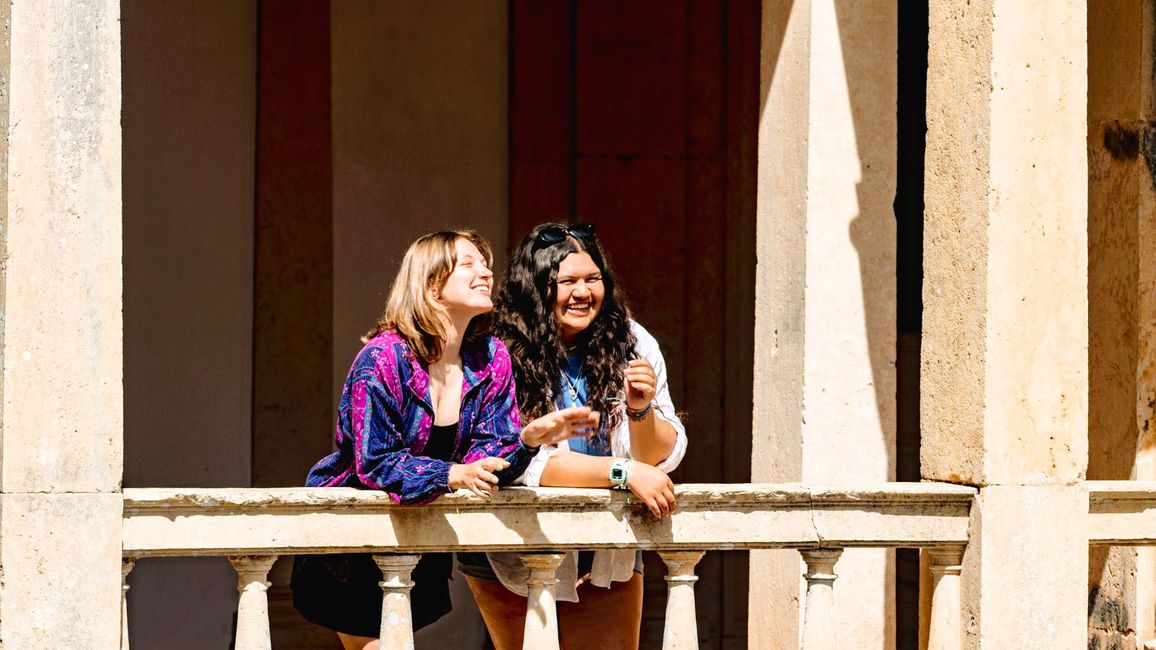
<point x="640" y="117"/>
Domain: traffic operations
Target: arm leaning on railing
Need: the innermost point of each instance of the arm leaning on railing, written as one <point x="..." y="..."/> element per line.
<point x="240" y="523"/>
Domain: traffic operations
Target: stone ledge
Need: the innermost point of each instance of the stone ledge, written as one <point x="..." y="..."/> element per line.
<point x="181" y="521"/>
<point x="1122" y="513"/>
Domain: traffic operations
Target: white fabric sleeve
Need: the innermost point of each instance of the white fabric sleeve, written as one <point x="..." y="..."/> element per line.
<point x="663" y="407"/>
<point x="532" y="477"/>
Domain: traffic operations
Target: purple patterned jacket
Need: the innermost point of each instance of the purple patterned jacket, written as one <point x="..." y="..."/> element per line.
<point x="385" y="415"/>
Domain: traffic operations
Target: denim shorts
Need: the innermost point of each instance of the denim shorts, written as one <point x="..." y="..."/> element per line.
<point x="477" y="565"/>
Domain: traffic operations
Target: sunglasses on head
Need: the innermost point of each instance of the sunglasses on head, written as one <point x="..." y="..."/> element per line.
<point x="555" y="234"/>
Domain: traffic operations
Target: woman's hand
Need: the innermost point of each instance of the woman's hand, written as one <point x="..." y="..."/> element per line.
<point x="641" y="384"/>
<point x="477" y="477"/>
<point x="552" y="428"/>
<point x="653" y="487"/>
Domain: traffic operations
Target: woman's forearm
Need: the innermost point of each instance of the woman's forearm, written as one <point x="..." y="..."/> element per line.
<point x="651" y="439"/>
<point x="572" y="469"/>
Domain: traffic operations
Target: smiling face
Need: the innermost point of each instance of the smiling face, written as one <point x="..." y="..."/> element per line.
<point x="467" y="289"/>
<point x="579" y="294"/>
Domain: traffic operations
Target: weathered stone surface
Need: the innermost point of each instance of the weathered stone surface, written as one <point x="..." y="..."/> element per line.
<point x="1004" y="375"/>
<point x="60" y="556"/>
<point x="1112" y="597"/>
<point x="60" y="395"/>
<point x="1026" y="568"/>
<point x="723" y="517"/>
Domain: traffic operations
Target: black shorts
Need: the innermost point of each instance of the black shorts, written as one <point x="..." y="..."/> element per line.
<point x="341" y="591"/>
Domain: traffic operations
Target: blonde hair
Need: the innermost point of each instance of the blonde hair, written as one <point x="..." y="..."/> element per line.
<point x="413" y="310"/>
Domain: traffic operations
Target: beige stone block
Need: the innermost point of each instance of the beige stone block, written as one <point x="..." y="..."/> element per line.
<point x="61" y="561"/>
<point x="62" y="336"/>
<point x="1004" y="363"/>
<point x="1025" y="569"/>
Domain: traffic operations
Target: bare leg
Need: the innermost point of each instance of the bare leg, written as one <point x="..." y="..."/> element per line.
<point x="503" y="611"/>
<point x="616" y="614"/>
<point x="350" y="642"/>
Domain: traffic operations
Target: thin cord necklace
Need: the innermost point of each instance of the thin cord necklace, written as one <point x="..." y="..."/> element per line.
<point x="571" y="386"/>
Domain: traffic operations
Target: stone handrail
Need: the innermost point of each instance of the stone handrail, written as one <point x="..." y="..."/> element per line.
<point x="253" y="526"/>
<point x="1122" y="513"/>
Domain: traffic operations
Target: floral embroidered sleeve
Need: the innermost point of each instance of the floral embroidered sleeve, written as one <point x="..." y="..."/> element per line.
<point x="497" y="431"/>
<point x="382" y="460"/>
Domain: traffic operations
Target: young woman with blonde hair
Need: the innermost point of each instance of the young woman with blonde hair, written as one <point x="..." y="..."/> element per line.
<point x="429" y="406"/>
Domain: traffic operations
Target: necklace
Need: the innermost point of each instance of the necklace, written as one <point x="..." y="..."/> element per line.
<point x="572" y="380"/>
<point x="571" y="387"/>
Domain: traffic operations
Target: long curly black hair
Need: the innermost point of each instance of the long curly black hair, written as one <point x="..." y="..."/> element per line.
<point x="524" y="319"/>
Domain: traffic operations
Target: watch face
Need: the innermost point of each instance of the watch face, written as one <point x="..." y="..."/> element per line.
<point x="616" y="473"/>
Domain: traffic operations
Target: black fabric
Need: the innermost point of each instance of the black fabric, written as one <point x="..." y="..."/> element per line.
<point x="441" y="441"/>
<point x="341" y="591"/>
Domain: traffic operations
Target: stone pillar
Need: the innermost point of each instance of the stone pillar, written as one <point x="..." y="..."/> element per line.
<point x="819" y="629"/>
<point x="541" y="613"/>
<point x="1121" y="147"/>
<point x="396" y="611"/>
<point x="61" y="398"/>
<point x="825" y="287"/>
<point x="1004" y="379"/>
<point x="681" y="628"/>
<point x="253" y="605"/>
<point x="126" y="566"/>
<point x="945" y="632"/>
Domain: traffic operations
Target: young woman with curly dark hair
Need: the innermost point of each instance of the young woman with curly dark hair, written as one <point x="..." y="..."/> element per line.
<point x="573" y="343"/>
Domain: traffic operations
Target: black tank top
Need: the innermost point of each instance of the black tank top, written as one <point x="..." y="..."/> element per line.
<point x="441" y="441"/>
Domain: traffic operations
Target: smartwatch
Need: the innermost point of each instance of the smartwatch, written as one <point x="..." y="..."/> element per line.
<point x="620" y="472"/>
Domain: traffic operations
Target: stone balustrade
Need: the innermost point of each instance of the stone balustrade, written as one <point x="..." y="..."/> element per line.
<point x="253" y="526"/>
<point x="1122" y="513"/>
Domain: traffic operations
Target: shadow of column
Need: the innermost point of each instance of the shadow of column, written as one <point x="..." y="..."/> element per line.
<point x="868" y="33"/>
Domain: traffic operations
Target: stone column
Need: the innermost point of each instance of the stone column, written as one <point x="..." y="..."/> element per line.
<point x="126" y="566"/>
<point x="541" y="614"/>
<point x="1121" y="302"/>
<point x="681" y="629"/>
<point x="61" y="397"/>
<point x="1004" y="378"/>
<point x="253" y="606"/>
<point x="825" y="287"/>
<point x="819" y="630"/>
<point x="945" y="631"/>
<point x="396" y="611"/>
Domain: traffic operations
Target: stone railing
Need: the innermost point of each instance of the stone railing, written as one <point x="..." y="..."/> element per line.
<point x="254" y="526"/>
<point x="1122" y="513"/>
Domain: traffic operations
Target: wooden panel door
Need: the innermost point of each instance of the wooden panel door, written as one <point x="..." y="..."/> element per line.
<point x="641" y="118"/>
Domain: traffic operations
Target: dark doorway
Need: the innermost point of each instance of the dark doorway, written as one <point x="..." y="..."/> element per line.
<point x="911" y="145"/>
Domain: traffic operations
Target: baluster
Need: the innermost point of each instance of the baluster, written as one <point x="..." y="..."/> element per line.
<point x="396" y="612"/>
<point x="541" y="632"/>
<point x="253" y="605"/>
<point x="126" y="566"/>
<point x="681" y="630"/>
<point x="819" y="617"/>
<point x="946" y="626"/>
